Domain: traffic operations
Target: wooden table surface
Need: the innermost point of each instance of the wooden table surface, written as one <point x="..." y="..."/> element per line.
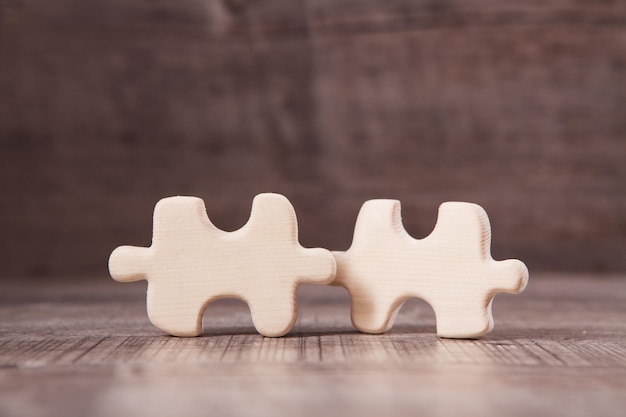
<point x="86" y="348"/>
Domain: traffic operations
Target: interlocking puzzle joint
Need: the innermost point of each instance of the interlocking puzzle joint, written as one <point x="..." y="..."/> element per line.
<point x="192" y="263"/>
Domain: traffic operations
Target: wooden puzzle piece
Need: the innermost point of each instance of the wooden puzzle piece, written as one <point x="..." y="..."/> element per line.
<point x="452" y="269"/>
<point x="192" y="263"/>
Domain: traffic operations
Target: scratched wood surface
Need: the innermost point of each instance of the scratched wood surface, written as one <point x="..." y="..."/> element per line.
<point x="87" y="348"/>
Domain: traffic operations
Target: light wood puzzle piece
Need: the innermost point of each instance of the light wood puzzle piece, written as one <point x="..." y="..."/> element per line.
<point x="451" y="269"/>
<point x="192" y="263"/>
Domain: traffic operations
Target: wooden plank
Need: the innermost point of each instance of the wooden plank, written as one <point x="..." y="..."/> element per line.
<point x="106" y="108"/>
<point x="88" y="323"/>
<point x="87" y="348"/>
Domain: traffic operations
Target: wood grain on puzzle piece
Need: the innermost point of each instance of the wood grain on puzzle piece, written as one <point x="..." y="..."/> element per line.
<point x="451" y="269"/>
<point x="191" y="263"/>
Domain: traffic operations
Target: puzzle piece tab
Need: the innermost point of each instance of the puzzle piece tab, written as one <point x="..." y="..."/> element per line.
<point x="452" y="269"/>
<point x="192" y="263"/>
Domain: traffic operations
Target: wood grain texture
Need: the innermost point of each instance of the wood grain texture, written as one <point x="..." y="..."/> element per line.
<point x="451" y="269"/>
<point x="192" y="263"/>
<point x="87" y="348"/>
<point x="105" y="108"/>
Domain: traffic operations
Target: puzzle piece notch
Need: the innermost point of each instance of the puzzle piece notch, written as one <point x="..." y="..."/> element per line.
<point x="192" y="263"/>
<point x="451" y="269"/>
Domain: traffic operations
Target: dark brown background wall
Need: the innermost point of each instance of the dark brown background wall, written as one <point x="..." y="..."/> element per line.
<point x="108" y="105"/>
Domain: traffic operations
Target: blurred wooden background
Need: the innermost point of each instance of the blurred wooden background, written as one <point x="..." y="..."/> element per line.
<point x="108" y="105"/>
